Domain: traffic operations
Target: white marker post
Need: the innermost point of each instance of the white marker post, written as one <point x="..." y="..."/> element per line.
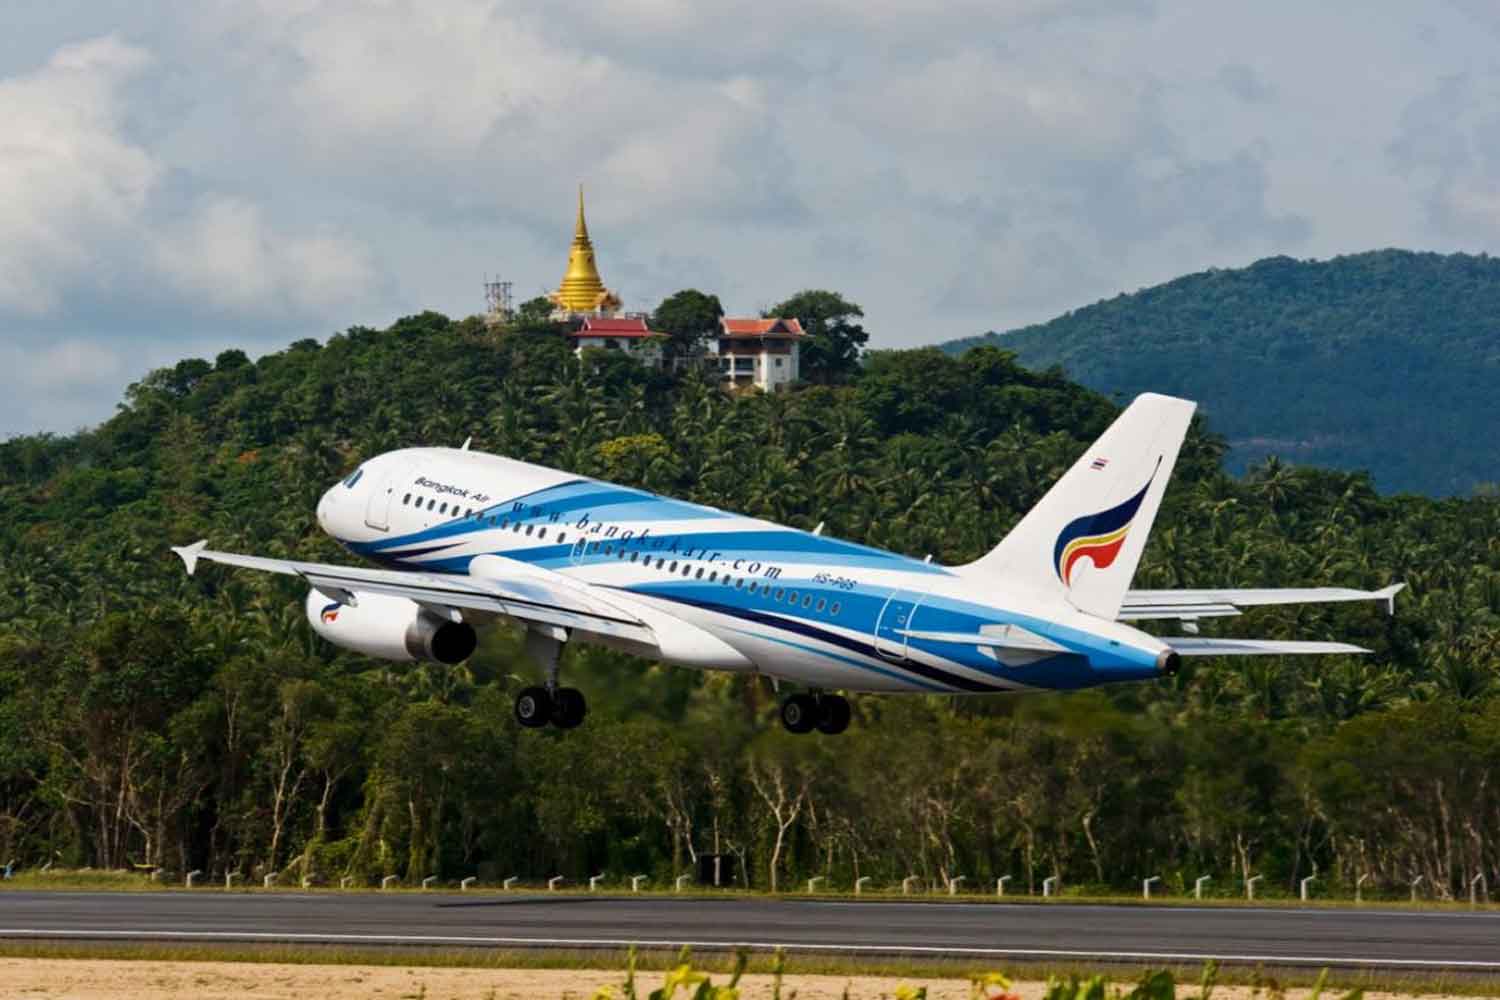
<point x="463" y="885"/>
<point x="192" y="875"/>
<point x="812" y="883"/>
<point x="1146" y="886"/>
<point x="954" y="883"/>
<point x="1359" y="885"/>
<point x="1414" y="883"/>
<point x="1305" y="883"/>
<point x="681" y="881"/>
<point x="385" y="883"/>
<point x="1000" y="884"/>
<point x="635" y="882"/>
<point x="229" y="878"/>
<point x="906" y="884"/>
<point x="594" y="881"/>
<point x="1198" y="886"/>
<point x="554" y="882"/>
<point x="345" y="882"/>
<point x="1048" y="884"/>
<point x="510" y="882"/>
<point x="859" y="884"/>
<point x="1250" y="885"/>
<point x="427" y="882"/>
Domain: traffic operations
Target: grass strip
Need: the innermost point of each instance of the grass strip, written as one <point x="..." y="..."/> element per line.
<point x="916" y="969"/>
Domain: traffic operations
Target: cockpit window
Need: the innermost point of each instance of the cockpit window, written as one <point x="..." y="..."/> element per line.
<point x="354" y="477"/>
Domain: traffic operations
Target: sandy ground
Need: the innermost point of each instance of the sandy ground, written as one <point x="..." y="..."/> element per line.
<point x="90" y="979"/>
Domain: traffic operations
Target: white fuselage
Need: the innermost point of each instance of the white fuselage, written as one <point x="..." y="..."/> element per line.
<point x="723" y="591"/>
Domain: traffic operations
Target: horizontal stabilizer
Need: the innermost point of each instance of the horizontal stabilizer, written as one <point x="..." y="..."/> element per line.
<point x="1140" y="605"/>
<point x="1201" y="646"/>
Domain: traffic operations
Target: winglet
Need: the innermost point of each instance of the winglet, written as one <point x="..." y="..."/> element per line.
<point x="189" y="553"/>
<point x="1388" y="594"/>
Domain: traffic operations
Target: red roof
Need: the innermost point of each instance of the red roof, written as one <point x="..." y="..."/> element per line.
<point x="613" y="326"/>
<point x="771" y="326"/>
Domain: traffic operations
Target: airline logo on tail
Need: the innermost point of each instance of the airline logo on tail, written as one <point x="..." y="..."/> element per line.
<point x="1097" y="537"/>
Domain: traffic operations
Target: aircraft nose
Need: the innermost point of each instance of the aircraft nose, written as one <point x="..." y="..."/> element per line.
<point x="325" y="511"/>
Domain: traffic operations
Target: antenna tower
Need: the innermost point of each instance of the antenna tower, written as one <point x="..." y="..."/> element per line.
<point x="497" y="303"/>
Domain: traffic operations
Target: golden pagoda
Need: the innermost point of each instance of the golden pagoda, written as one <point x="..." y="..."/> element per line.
<point x="582" y="290"/>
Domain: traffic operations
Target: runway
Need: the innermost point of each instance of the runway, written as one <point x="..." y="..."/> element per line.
<point x="1367" y="938"/>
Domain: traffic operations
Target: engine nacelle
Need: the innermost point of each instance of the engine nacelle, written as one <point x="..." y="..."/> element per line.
<point x="389" y="628"/>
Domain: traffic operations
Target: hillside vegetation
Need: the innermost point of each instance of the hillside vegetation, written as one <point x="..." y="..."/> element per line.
<point x="196" y="723"/>
<point x="1384" y="361"/>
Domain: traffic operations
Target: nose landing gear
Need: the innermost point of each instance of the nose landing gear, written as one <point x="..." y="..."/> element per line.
<point x="537" y="706"/>
<point x="827" y="713"/>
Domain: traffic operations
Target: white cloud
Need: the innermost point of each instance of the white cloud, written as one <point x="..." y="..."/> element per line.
<point x="226" y="255"/>
<point x="68" y="178"/>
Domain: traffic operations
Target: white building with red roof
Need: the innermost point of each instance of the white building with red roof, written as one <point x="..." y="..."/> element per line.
<point x="629" y="334"/>
<point x="762" y="352"/>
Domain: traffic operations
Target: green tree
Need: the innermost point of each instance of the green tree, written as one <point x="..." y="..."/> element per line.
<point x="689" y="318"/>
<point x="831" y="352"/>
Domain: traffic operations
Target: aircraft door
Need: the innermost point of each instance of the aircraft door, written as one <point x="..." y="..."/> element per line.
<point x="382" y="495"/>
<point x="895" y="620"/>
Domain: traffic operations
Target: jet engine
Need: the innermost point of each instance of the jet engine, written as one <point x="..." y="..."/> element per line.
<point x="389" y="628"/>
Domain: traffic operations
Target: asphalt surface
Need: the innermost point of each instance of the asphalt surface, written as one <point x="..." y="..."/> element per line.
<point x="1373" y="938"/>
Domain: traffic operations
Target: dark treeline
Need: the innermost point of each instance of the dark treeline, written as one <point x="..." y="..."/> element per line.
<point x="151" y="718"/>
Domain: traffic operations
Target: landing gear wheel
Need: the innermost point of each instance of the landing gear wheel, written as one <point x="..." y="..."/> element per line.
<point x="534" y="707"/>
<point x="834" y="717"/>
<point x="799" y="713"/>
<point x="568" y="708"/>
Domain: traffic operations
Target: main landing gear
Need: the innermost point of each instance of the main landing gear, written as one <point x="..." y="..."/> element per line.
<point x="827" y="713"/>
<point x="538" y="706"/>
<point x="562" y="707"/>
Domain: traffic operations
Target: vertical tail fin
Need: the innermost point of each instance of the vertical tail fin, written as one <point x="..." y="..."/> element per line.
<point x="1084" y="539"/>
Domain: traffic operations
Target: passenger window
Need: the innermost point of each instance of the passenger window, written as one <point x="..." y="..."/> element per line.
<point x="753" y="586"/>
<point x="493" y="520"/>
<point x="687" y="570"/>
<point x="529" y="529"/>
<point x="562" y="536"/>
<point x="739" y="583"/>
<point x="469" y="512"/>
<point x="505" y="522"/>
<point x="673" y="567"/>
<point x="443" y="507"/>
<point x="792" y="597"/>
<point x="835" y="609"/>
<point x="406" y="500"/>
<point x="779" y="592"/>
<point x="700" y="573"/>
<point x="541" y="533"/>
<point x="807" y="600"/>
<point x="609" y="550"/>
<point x="634" y="556"/>
<point x="713" y="577"/>
<point x="822" y="603"/>
<point x="431" y="504"/>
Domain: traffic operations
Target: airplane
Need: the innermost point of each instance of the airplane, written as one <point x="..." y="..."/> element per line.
<point x="463" y="538"/>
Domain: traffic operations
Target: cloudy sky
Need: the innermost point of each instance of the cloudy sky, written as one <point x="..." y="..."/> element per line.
<point x="177" y="178"/>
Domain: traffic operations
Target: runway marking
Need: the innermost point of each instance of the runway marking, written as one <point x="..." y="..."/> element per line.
<point x="1148" y="956"/>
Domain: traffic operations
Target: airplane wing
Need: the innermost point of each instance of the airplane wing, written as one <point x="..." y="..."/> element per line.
<point x="1194" y="646"/>
<point x="1189" y="605"/>
<point x="506" y="588"/>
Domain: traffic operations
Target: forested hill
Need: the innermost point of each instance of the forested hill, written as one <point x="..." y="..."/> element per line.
<point x="1386" y="361"/>
<point x="151" y="718"/>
